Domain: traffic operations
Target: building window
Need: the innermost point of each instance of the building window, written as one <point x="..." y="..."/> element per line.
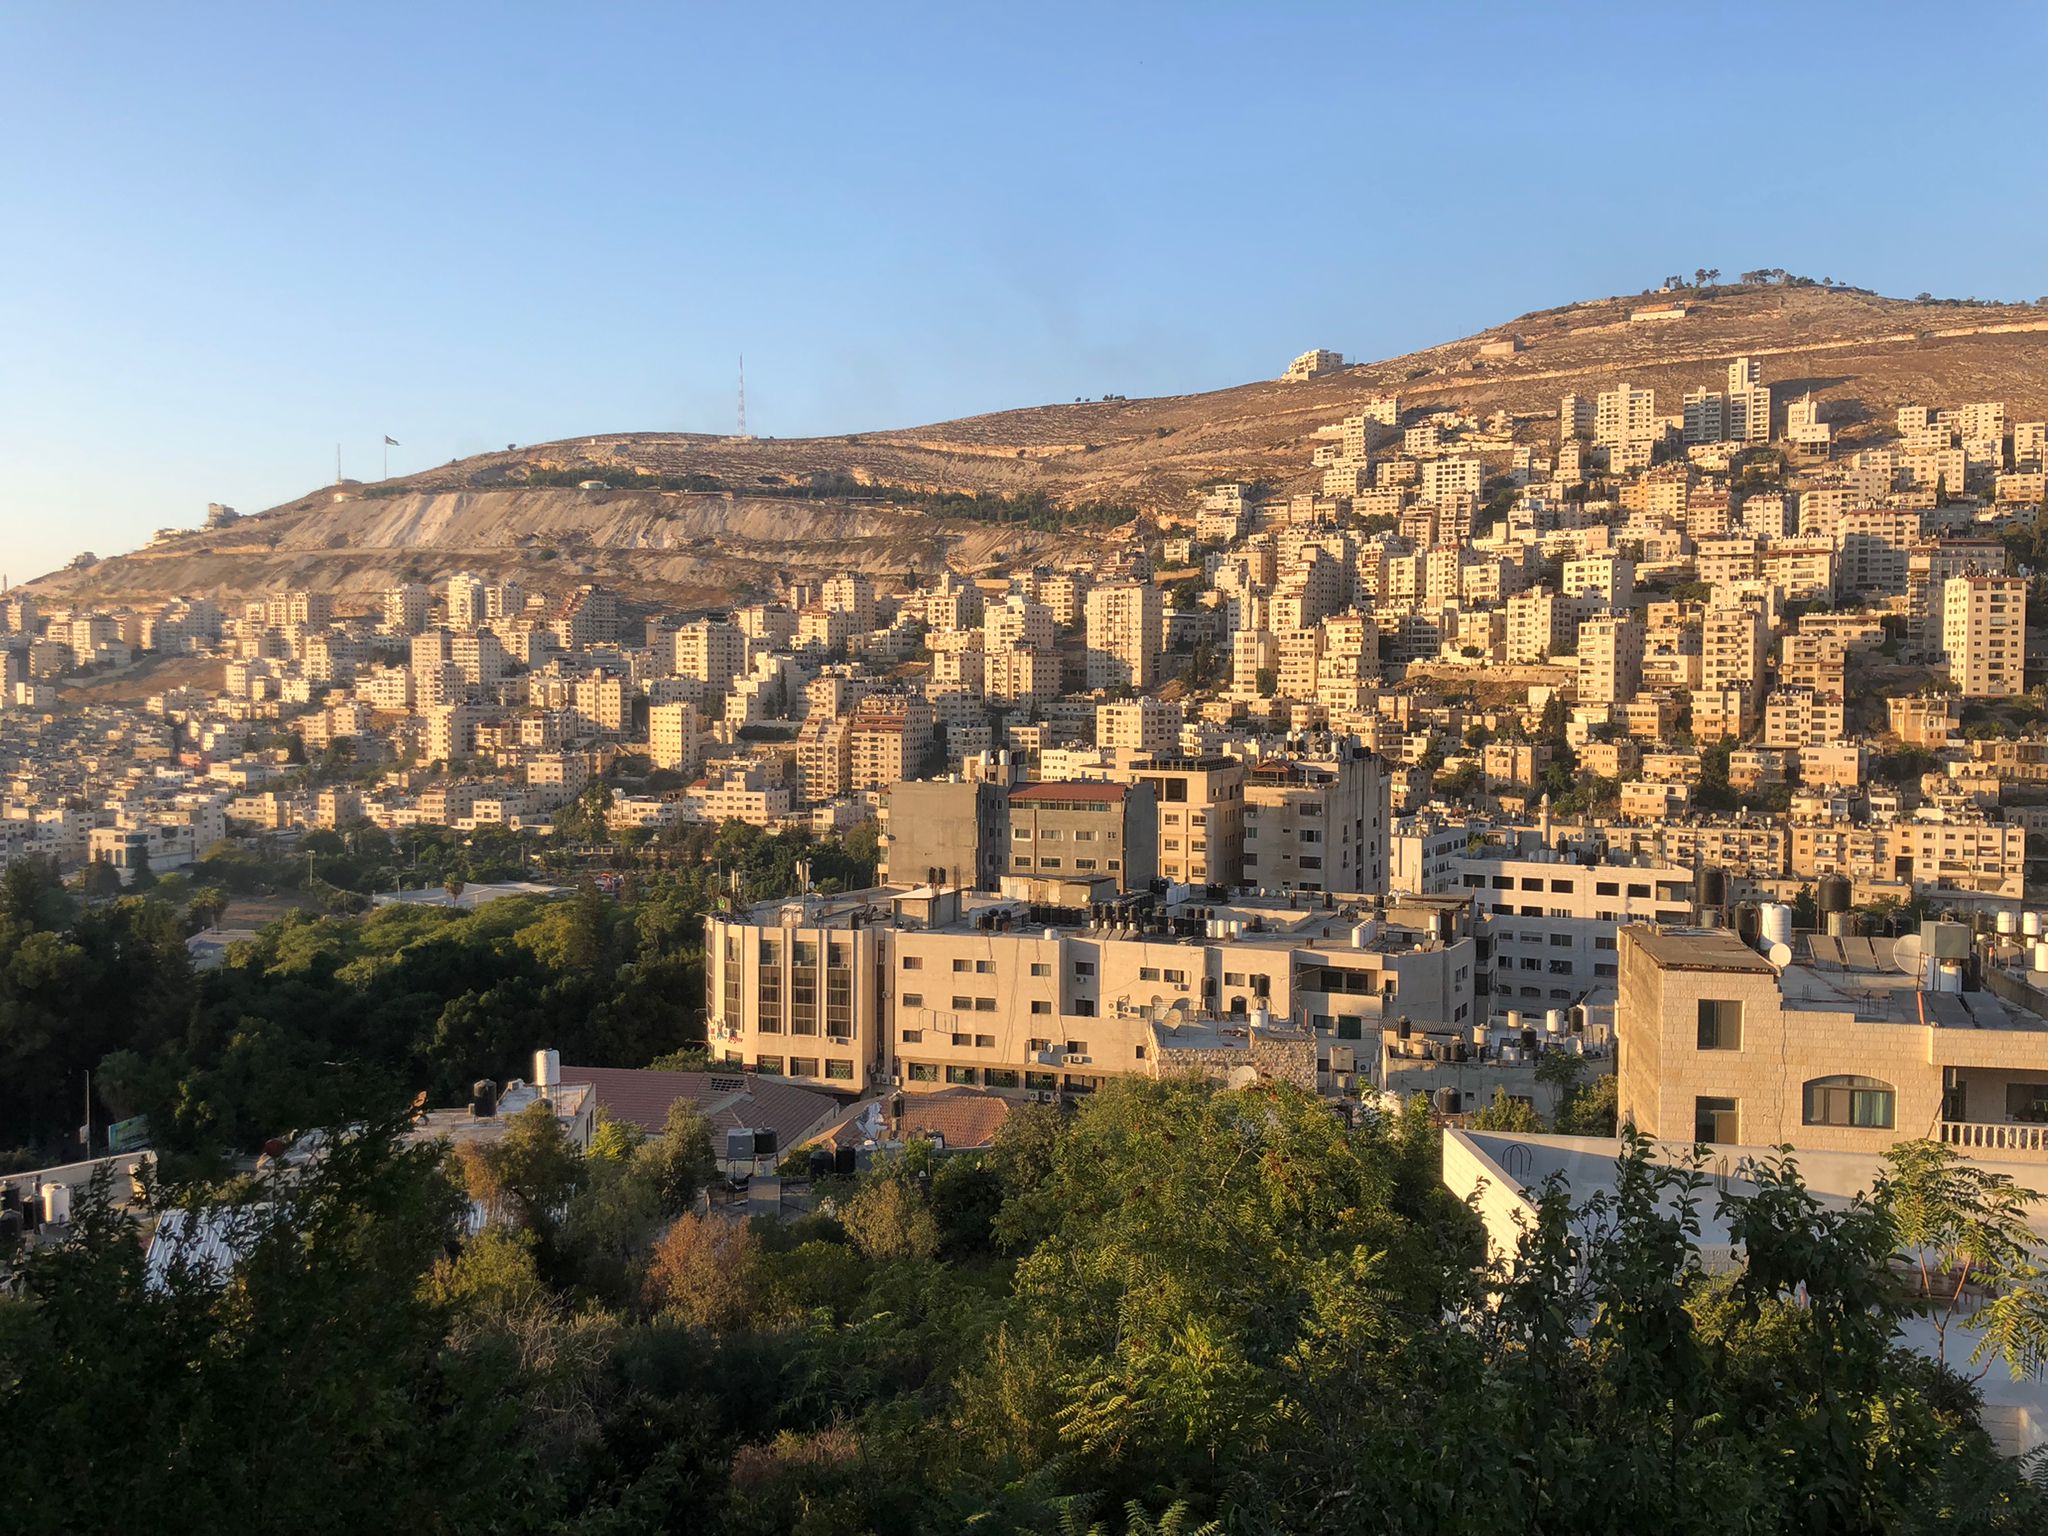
<point x="984" y="1042"/>
<point x="913" y="1037"/>
<point x="1000" y="1077"/>
<point x="913" y="999"/>
<point x="1720" y="1026"/>
<point x="1863" y="1102"/>
<point x="1084" y="967"/>
<point x="922" y="1072"/>
<point x="960" y="1075"/>
<point x="959" y="965"/>
<point x="1716" y="1120"/>
<point x="803" y="1066"/>
<point x="1040" y="1005"/>
<point x="768" y="1066"/>
<point x="963" y="1005"/>
<point x="984" y="1005"/>
<point x="2025" y="1102"/>
<point x="1040" y="968"/>
<point x="1041" y="1082"/>
<point x="913" y="962"/>
<point x="838" y="1071"/>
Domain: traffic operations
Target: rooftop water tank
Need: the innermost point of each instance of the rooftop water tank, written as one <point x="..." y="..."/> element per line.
<point x="1774" y="923"/>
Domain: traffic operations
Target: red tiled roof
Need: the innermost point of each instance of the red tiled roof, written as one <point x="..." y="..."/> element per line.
<point x="1085" y="789"/>
<point x="729" y="1100"/>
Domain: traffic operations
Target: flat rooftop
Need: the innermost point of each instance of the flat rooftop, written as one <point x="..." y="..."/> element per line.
<point x="1698" y="949"/>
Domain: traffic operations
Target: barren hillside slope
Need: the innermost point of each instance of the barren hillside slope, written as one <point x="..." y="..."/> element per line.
<point x="759" y="506"/>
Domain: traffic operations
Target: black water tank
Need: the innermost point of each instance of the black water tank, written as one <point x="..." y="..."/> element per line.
<point x="1749" y="922"/>
<point x="764" y="1142"/>
<point x="844" y="1163"/>
<point x="1833" y="894"/>
<point x="1713" y="889"/>
<point x="821" y="1163"/>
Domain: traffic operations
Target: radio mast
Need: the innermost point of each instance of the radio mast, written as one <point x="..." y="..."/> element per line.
<point x="743" y="396"/>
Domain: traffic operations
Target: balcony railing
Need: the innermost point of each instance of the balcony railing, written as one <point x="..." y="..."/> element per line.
<point x="1997" y="1136"/>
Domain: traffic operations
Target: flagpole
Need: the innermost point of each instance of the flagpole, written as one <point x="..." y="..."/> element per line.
<point x="387" y="458"/>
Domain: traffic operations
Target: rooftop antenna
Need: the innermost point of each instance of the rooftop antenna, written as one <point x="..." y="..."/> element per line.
<point x="743" y="395"/>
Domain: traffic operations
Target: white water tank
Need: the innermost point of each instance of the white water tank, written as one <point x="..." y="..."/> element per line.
<point x="2030" y="924"/>
<point x="1553" y="1022"/>
<point x="56" y="1204"/>
<point x="547" y="1069"/>
<point x="1775" y="924"/>
<point x="2008" y="923"/>
<point x="1515" y="1022"/>
<point x="2041" y="955"/>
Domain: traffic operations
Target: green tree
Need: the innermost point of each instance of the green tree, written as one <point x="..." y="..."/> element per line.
<point x="1505" y="1114"/>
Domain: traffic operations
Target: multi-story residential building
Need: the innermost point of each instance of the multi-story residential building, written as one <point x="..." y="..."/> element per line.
<point x="712" y="651"/>
<point x="1148" y="726"/>
<point x="930" y="987"/>
<point x="1610" y="658"/>
<point x="1084" y="831"/>
<point x="1126" y="628"/>
<point x="1200" y="803"/>
<point x="675" y="736"/>
<point x="1984" y="633"/>
<point x="1318" y="824"/>
<point x="1852" y="1045"/>
<point x="945" y="831"/>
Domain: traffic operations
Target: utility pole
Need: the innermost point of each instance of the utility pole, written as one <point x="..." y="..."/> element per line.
<point x="743" y="395"/>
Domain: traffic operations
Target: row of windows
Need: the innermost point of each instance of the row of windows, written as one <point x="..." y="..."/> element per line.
<point x="1859" y="1103"/>
<point x="979" y="967"/>
<point x="1000" y="1077"/>
<point x="836" y="1069"/>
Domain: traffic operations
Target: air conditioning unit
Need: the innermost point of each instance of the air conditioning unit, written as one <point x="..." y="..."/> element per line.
<point x="895" y="1079"/>
<point x="839" y="1039"/>
<point x="1077" y="1061"/>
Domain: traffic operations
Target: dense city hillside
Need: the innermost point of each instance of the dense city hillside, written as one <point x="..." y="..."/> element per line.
<point x="697" y="519"/>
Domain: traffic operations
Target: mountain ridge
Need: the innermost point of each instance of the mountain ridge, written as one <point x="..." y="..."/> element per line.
<point x="736" y="512"/>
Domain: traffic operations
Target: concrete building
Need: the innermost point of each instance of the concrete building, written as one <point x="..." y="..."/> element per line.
<point x="1084" y="831"/>
<point x="1200" y="802"/>
<point x="1148" y="726"/>
<point x="1318" y="825"/>
<point x="1041" y="991"/>
<point x="675" y="736"/>
<point x="1851" y="1046"/>
<point x="945" y="831"/>
<point x="1984" y="633"/>
<point x="1610" y="658"/>
<point x="1126" y="629"/>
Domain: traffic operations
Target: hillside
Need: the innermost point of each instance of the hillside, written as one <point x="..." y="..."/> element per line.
<point x="755" y="507"/>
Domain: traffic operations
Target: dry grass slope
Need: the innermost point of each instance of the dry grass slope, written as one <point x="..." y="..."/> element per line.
<point x="1862" y="354"/>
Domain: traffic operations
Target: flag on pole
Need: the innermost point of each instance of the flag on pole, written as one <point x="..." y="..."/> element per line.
<point x="392" y="442"/>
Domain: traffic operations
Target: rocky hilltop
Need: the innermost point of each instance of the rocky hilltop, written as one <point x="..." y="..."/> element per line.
<point x="699" y="520"/>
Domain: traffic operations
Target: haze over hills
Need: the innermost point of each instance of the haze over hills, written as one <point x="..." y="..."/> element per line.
<point x="735" y="512"/>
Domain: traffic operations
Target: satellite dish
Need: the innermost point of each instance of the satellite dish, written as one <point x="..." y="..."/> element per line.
<point x="1779" y="955"/>
<point x="1908" y="954"/>
<point x="1243" y="1077"/>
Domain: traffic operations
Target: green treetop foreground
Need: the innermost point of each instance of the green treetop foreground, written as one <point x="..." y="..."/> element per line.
<point x="1175" y="1305"/>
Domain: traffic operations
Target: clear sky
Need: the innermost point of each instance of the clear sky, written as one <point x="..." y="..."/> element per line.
<point x="233" y="236"/>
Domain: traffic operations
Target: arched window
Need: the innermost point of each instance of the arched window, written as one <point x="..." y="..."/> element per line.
<point x="1862" y="1102"/>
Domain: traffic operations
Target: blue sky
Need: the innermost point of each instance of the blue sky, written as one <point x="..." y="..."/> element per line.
<point x="231" y="236"/>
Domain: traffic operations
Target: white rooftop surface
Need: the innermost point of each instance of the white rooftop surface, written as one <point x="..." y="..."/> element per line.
<point x="1506" y="1172"/>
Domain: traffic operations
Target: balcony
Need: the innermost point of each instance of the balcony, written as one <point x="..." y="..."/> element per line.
<point x="1997" y="1138"/>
